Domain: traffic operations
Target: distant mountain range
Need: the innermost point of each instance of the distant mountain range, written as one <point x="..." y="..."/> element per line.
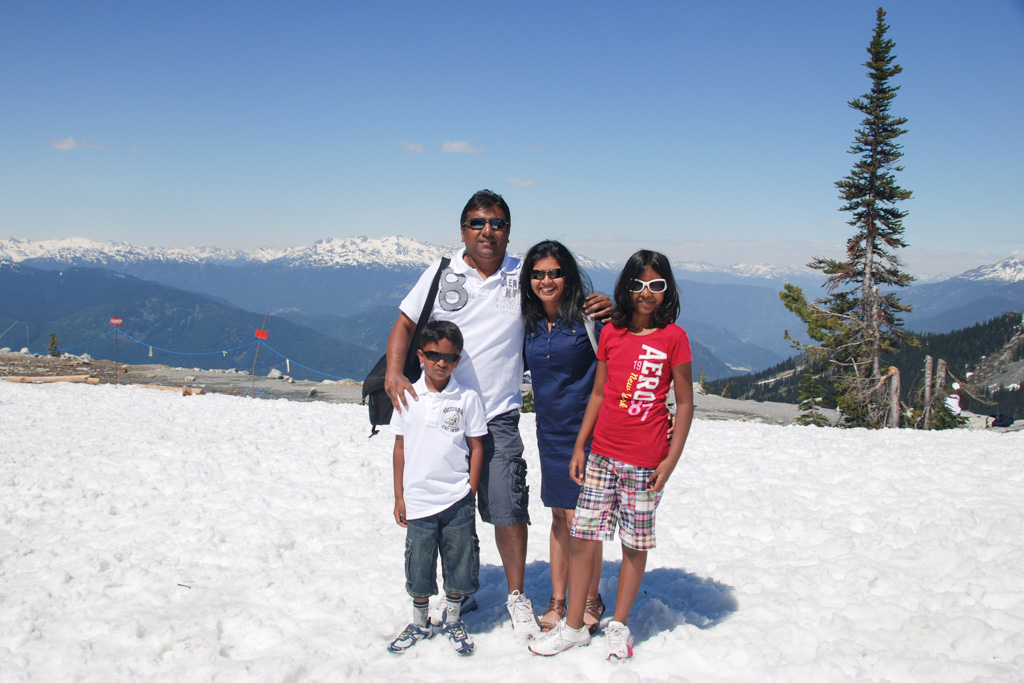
<point x="160" y="325"/>
<point x="348" y="290"/>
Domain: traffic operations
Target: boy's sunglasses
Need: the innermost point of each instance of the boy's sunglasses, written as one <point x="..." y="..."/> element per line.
<point x="497" y="224"/>
<point x="554" y="274"/>
<point x="656" y="286"/>
<point x="434" y="356"/>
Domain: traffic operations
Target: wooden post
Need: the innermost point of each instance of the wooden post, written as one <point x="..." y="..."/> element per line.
<point x="894" y="397"/>
<point x="928" y="367"/>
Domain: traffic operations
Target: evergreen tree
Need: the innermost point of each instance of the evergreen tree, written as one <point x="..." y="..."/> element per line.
<point x="811" y="393"/>
<point x="54" y="347"/>
<point x="857" y="323"/>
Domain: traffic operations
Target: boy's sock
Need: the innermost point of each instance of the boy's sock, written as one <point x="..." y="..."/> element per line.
<point x="419" y="612"/>
<point x="453" y="607"/>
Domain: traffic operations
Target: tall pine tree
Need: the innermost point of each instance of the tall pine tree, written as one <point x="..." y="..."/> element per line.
<point x="860" y="320"/>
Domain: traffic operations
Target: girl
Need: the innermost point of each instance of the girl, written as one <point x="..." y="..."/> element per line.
<point x="561" y="359"/>
<point x="639" y="356"/>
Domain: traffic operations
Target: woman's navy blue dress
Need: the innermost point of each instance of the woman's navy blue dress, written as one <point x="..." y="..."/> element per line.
<point x="562" y="365"/>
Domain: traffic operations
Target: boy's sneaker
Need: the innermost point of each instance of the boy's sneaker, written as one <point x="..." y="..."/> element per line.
<point x="620" y="641"/>
<point x="458" y="636"/>
<point x="439" y="608"/>
<point x="409" y="637"/>
<point x="520" y="609"/>
<point x="560" y="639"/>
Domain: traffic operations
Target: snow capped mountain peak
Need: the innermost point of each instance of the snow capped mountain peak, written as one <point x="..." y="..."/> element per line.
<point x="1008" y="270"/>
<point x="355" y="251"/>
<point x="327" y="253"/>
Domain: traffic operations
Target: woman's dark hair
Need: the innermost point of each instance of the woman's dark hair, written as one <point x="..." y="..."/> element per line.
<point x="485" y="199"/>
<point x="577" y="284"/>
<point x="668" y="311"/>
<point x="436" y="330"/>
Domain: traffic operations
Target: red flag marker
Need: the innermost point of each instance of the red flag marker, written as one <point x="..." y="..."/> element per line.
<point x="261" y="334"/>
<point x="116" y="321"/>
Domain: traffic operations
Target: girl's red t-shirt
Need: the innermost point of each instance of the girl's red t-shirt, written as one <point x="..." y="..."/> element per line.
<point x="633" y="421"/>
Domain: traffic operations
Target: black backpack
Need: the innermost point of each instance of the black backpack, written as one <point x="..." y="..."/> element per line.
<point x="374" y="396"/>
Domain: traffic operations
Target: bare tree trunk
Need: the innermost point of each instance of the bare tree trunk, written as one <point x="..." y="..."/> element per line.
<point x="894" y="397"/>
<point x="928" y="363"/>
<point x="940" y="378"/>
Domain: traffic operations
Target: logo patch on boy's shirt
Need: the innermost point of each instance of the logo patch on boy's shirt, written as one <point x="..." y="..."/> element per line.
<point x="452" y="419"/>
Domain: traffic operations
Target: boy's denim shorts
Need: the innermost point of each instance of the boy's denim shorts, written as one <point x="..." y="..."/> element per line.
<point x="452" y="533"/>
<point x="503" y="493"/>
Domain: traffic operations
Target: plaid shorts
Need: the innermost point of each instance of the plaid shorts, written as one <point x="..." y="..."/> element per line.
<point x="616" y="492"/>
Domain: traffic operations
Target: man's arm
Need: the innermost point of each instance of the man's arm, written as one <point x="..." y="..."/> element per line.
<point x="395" y="381"/>
<point x="599" y="307"/>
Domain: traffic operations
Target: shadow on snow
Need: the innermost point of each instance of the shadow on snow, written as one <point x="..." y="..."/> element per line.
<point x="668" y="598"/>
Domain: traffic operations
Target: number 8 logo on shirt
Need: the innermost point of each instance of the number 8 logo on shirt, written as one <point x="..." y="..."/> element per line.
<point x="453" y="295"/>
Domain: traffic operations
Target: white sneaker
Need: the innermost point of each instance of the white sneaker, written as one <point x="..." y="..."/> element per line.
<point x="409" y="637"/>
<point x="560" y="639"/>
<point x="458" y="636"/>
<point x="438" y="609"/>
<point x="620" y="641"/>
<point x="520" y="609"/>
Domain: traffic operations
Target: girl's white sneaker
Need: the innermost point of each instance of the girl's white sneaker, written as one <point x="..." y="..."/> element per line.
<point x="559" y="639"/>
<point x="620" y="640"/>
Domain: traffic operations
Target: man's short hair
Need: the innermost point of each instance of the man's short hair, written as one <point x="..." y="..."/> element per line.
<point x="436" y="330"/>
<point x="485" y="199"/>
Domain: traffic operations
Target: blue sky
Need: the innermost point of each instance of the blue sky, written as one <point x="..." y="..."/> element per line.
<point x="710" y="131"/>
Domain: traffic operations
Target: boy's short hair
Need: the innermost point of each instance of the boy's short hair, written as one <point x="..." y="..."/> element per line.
<point x="436" y="330"/>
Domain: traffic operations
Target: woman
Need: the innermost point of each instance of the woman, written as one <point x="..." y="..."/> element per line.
<point x="561" y="359"/>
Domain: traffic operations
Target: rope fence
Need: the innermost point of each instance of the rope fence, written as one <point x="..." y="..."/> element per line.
<point x="221" y="352"/>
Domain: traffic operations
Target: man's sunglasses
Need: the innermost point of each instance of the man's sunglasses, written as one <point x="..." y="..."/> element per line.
<point x="434" y="356"/>
<point x="554" y="274"/>
<point x="656" y="286"/>
<point x="497" y="224"/>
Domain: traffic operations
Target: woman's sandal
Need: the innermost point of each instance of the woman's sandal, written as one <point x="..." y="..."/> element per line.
<point x="593" y="613"/>
<point x="556" y="608"/>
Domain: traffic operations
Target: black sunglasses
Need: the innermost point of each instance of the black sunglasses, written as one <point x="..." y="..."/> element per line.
<point x="435" y="356"/>
<point x="554" y="274"/>
<point x="498" y="224"/>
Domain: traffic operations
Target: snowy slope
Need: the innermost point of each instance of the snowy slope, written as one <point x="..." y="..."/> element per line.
<point x="1008" y="270"/>
<point x="149" y="536"/>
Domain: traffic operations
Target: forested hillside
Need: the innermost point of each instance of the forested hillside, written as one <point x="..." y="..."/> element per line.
<point x="963" y="350"/>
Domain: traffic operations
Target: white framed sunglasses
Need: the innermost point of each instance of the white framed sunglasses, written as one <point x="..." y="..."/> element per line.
<point x="656" y="286"/>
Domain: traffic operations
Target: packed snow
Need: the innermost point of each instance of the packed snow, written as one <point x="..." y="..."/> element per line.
<point x="147" y="536"/>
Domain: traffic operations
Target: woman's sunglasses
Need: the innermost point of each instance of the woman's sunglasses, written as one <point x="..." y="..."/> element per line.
<point x="434" y="356"/>
<point x="655" y="286"/>
<point x="554" y="274"/>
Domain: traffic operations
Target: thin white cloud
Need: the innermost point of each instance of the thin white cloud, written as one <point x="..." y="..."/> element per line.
<point x="534" y="148"/>
<point x="69" y="143"/>
<point x="517" y="182"/>
<point x="460" y="147"/>
<point x="413" y="147"/>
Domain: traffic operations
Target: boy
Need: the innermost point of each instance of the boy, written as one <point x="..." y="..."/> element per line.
<point x="438" y="458"/>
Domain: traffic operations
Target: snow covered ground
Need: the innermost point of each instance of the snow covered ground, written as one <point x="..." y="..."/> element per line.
<point x="146" y="536"/>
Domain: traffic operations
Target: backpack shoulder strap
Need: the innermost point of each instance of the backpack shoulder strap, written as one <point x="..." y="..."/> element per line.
<point x="412" y="364"/>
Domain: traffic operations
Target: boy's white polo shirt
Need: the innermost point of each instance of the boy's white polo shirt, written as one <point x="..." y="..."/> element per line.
<point x="436" y="474"/>
<point x="489" y="315"/>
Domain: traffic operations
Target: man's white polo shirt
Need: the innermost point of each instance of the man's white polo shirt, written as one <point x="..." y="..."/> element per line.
<point x="488" y="313"/>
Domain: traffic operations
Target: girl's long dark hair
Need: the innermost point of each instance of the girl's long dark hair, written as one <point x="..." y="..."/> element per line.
<point x="577" y="284"/>
<point x="668" y="311"/>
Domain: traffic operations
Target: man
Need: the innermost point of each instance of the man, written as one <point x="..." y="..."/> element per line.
<point x="479" y="292"/>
